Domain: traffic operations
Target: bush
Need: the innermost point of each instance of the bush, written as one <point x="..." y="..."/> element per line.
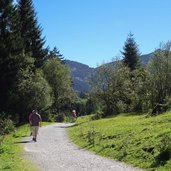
<point x="97" y="116"/>
<point x="60" y="117"/>
<point x="6" y="126"/>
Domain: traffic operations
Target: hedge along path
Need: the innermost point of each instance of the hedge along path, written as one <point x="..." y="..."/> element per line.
<point x="54" y="151"/>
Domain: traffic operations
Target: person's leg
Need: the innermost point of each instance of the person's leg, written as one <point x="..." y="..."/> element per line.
<point x="30" y="130"/>
<point x="34" y="132"/>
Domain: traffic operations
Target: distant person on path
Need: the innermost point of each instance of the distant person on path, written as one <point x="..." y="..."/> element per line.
<point x="35" y="122"/>
<point x="29" y="122"/>
<point x="74" y="114"/>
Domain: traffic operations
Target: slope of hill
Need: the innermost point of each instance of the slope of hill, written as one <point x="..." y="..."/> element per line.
<point x="136" y="139"/>
<point x="146" y="58"/>
<point x="81" y="72"/>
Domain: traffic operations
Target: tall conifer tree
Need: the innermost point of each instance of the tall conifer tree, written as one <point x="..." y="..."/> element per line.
<point x="131" y="53"/>
<point x="31" y="32"/>
<point x="10" y="47"/>
<point x="55" y="53"/>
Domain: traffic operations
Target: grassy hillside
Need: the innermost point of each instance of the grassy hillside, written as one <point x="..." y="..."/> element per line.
<point x="137" y="140"/>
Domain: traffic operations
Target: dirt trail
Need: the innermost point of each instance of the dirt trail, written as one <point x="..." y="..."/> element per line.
<point x="53" y="151"/>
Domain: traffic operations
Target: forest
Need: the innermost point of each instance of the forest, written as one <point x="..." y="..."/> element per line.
<point x="33" y="76"/>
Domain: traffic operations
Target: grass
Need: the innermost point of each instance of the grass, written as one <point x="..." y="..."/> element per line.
<point x="12" y="156"/>
<point x="134" y="139"/>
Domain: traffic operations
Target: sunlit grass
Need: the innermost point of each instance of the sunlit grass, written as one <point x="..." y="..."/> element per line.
<point x="137" y="140"/>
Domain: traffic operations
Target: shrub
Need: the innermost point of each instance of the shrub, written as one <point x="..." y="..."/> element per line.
<point x="6" y="126"/>
<point x="60" y="117"/>
<point x="97" y="116"/>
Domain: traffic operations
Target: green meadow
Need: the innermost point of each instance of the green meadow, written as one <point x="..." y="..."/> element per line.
<point x="138" y="140"/>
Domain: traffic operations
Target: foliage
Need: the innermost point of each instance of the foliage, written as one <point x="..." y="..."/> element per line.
<point x="131" y="55"/>
<point x="101" y="83"/>
<point x="114" y="88"/>
<point x="31" y="32"/>
<point x="31" y="93"/>
<point x="10" y="48"/>
<point x="120" y="91"/>
<point x="137" y="140"/>
<point x="160" y="69"/>
<point x="60" y="117"/>
<point x="91" y="105"/>
<point x="55" y="53"/>
<point x="59" y="79"/>
<point x="141" y="90"/>
<point x="6" y="127"/>
<point x="119" y="88"/>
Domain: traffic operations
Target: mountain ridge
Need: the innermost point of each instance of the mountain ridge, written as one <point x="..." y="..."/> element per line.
<point x="80" y="73"/>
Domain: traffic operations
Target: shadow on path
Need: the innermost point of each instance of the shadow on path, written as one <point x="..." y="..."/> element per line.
<point x="23" y="142"/>
<point x="64" y="126"/>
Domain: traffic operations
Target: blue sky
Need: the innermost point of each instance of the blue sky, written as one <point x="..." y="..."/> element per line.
<point x="94" y="31"/>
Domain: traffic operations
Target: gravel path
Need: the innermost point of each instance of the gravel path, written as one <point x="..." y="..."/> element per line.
<point x="53" y="151"/>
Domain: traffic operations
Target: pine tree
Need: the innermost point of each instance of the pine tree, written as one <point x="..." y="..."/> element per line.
<point x="31" y="32"/>
<point x="55" y="53"/>
<point x="10" y="47"/>
<point x="131" y="53"/>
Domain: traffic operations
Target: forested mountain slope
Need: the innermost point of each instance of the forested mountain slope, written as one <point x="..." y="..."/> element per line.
<point x="80" y="73"/>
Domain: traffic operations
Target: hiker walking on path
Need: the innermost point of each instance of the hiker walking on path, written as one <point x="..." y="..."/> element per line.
<point x="35" y="122"/>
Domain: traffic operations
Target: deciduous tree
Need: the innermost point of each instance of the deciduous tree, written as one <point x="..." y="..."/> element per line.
<point x="160" y="70"/>
<point x="59" y="79"/>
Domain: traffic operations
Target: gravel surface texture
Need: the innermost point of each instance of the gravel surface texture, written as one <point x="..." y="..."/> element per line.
<point x="53" y="151"/>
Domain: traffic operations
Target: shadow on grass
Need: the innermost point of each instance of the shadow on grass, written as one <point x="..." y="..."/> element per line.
<point x="25" y="136"/>
<point x="74" y="125"/>
<point x="87" y="147"/>
<point x="123" y="114"/>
